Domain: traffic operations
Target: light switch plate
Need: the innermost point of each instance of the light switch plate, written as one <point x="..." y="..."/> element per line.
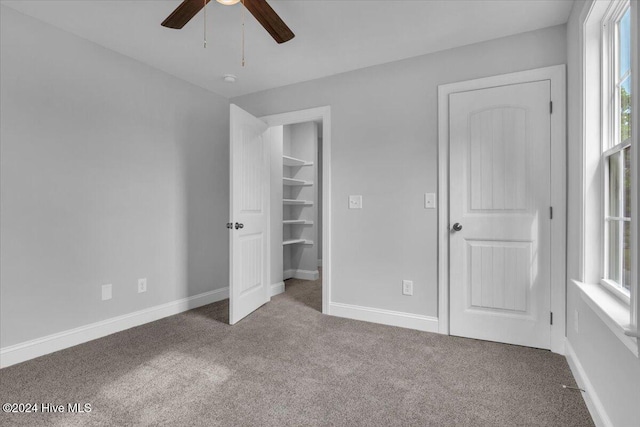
<point x="106" y="292"/>
<point x="355" y="202"/>
<point x="429" y="200"/>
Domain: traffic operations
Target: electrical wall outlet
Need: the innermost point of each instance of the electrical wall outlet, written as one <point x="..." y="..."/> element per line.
<point x="355" y="202"/>
<point x="407" y="287"/>
<point x="142" y="285"/>
<point x="576" y="321"/>
<point x="429" y="200"/>
<point x="107" y="292"/>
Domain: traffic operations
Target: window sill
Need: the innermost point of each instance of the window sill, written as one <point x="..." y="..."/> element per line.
<point x="611" y="310"/>
<point x="616" y="291"/>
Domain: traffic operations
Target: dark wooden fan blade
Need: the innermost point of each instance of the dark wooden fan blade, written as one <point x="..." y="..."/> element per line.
<point x="269" y="19"/>
<point x="183" y="13"/>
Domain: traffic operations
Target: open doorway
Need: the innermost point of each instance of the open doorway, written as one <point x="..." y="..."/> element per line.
<point x="280" y="206"/>
<point x="296" y="210"/>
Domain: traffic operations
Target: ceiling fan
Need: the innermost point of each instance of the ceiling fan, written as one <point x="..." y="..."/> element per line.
<point x="260" y="9"/>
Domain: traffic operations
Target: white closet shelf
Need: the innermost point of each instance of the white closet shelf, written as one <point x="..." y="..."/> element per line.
<point x="292" y="161"/>
<point x="297" y="221"/>
<point x="299" y="182"/>
<point x="297" y="242"/>
<point x="297" y="202"/>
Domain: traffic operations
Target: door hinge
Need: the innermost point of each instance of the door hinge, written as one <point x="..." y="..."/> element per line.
<point x="550" y="212"/>
<point x="551" y="318"/>
<point x="550" y="107"/>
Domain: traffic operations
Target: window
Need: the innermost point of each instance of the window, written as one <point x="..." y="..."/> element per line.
<point x="616" y="150"/>
<point x="605" y="143"/>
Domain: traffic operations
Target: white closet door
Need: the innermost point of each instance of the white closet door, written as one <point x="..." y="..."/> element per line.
<point x="500" y="197"/>
<point x="248" y="252"/>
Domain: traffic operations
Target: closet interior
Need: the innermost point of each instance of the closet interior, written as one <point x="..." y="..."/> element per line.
<point x="296" y="164"/>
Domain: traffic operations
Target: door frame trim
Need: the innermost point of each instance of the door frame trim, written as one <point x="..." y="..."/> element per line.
<point x="301" y="116"/>
<point x="558" y="170"/>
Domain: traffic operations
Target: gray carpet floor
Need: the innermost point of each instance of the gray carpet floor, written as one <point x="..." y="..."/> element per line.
<point x="288" y="365"/>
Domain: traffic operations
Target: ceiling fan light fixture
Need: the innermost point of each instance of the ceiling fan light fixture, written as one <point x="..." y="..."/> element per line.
<point x="260" y="9"/>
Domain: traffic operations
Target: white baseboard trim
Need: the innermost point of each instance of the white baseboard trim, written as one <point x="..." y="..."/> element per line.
<point x="276" y="289"/>
<point x="590" y="397"/>
<point x="385" y="317"/>
<point x="27" y="350"/>
<point x="306" y="275"/>
<point x="301" y="274"/>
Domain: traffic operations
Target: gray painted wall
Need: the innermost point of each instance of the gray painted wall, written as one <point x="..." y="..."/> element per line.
<point x="110" y="171"/>
<point x="384" y="147"/>
<point x="276" y="139"/>
<point x="319" y="197"/>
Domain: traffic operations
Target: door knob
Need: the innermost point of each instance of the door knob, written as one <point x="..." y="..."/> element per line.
<point x="229" y="225"/>
<point x="239" y="225"/>
<point x="457" y="226"/>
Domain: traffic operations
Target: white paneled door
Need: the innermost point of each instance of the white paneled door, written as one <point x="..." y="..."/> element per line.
<point x="499" y="214"/>
<point x="249" y="196"/>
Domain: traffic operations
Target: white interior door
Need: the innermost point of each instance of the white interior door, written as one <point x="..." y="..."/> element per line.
<point x="500" y="197"/>
<point x="248" y="251"/>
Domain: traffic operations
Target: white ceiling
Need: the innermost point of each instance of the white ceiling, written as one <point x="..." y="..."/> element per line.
<point x="332" y="36"/>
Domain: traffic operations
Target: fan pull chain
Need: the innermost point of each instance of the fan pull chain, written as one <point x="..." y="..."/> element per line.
<point x="243" y="33"/>
<point x="205" y="23"/>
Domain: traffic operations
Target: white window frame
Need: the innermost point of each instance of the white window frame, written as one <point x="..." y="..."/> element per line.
<point x="620" y="317"/>
<point x="610" y="146"/>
